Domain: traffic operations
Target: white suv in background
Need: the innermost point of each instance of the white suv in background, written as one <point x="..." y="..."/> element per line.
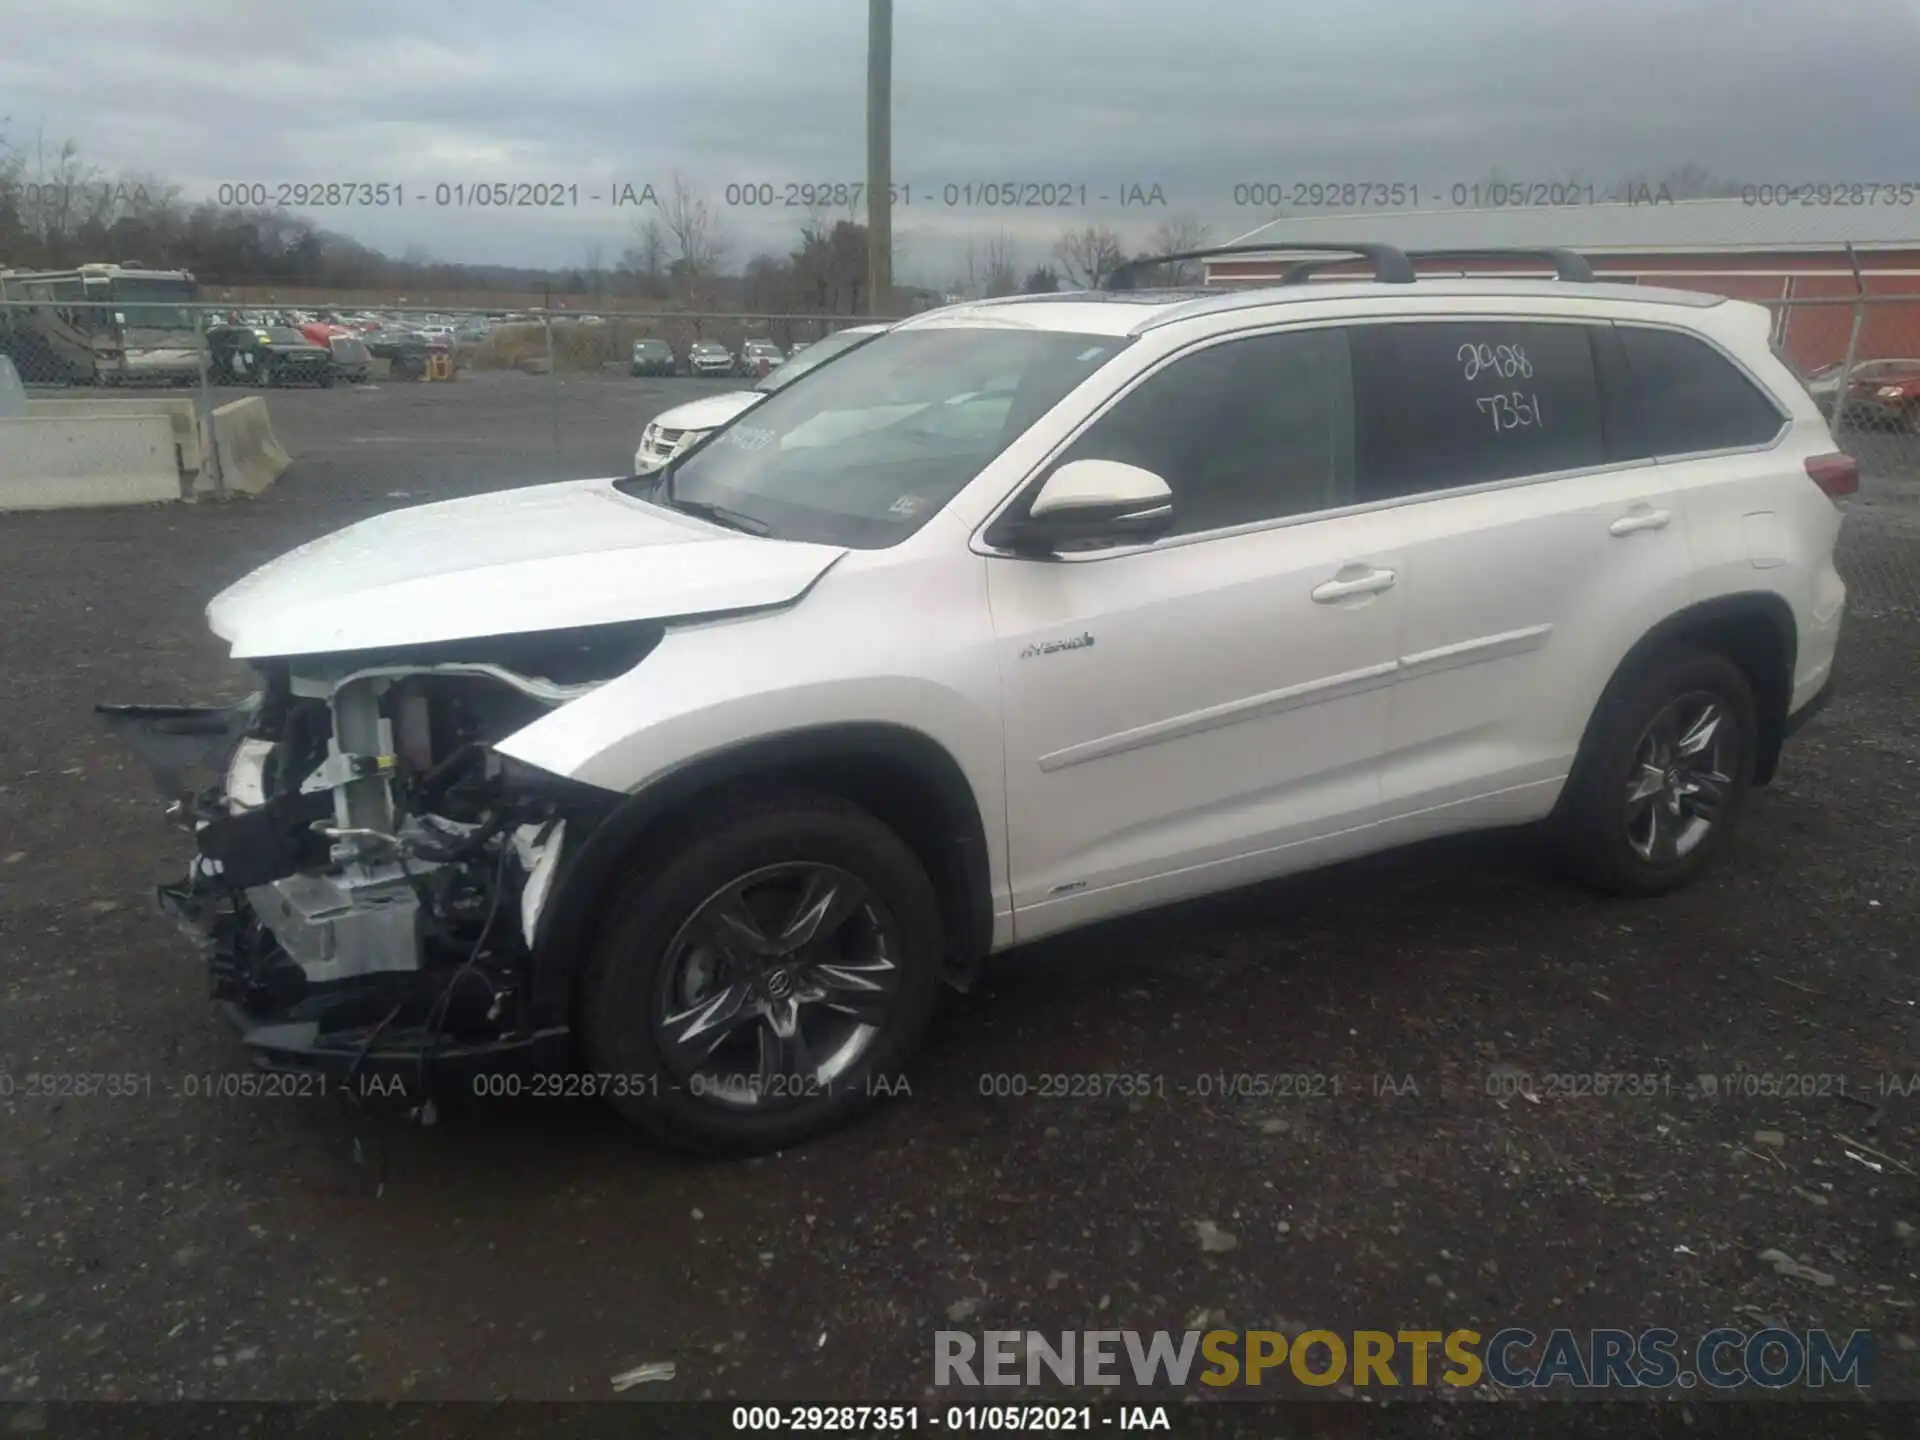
<point x="675" y="431"/>
<point x="1026" y="614"/>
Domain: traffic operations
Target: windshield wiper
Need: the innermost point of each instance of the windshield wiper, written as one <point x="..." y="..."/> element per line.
<point x="719" y="515"/>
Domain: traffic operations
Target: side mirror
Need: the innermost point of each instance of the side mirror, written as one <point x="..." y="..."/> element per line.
<point x="1090" y="502"/>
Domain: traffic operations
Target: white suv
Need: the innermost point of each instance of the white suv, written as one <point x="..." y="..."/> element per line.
<point x="1026" y="614"/>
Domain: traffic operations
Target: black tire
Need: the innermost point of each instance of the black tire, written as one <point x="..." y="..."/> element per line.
<point x="326" y="381"/>
<point x="1598" y="840"/>
<point x="624" y="991"/>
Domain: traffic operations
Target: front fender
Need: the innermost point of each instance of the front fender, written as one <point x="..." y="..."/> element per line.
<point x="907" y="643"/>
<point x="890" y="661"/>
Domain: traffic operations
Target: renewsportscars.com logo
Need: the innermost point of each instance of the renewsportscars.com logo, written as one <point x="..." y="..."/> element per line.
<point x="1724" y="1358"/>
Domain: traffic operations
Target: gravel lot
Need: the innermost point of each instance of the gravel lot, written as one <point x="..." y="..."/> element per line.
<point x="169" y="1246"/>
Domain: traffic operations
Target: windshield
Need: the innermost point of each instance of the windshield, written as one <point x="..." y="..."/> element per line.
<point x="811" y="358"/>
<point x="155" y="304"/>
<point x="872" y="448"/>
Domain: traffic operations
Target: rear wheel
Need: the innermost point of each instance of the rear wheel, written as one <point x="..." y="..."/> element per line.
<point x="1664" y="775"/>
<point x="767" y="981"/>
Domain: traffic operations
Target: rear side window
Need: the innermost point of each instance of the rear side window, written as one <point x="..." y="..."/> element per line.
<point x="1461" y="403"/>
<point x="1684" y="397"/>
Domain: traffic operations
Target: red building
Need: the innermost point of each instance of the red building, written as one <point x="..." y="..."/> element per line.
<point x="1779" y="255"/>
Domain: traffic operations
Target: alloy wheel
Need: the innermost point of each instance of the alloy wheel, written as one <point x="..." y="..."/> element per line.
<point x="1681" y="778"/>
<point x="776" y="985"/>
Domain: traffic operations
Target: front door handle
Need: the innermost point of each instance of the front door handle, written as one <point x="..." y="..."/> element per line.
<point x="1332" y="592"/>
<point x="1640" y="520"/>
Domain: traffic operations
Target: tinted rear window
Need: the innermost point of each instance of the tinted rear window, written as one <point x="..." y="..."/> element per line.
<point x="1683" y="397"/>
<point x="1462" y="403"/>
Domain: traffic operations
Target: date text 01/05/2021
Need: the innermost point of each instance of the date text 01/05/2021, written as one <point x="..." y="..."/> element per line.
<point x="954" y="1420"/>
<point x="748" y="194"/>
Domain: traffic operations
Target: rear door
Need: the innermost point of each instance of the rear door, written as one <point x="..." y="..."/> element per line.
<point x="1535" y="554"/>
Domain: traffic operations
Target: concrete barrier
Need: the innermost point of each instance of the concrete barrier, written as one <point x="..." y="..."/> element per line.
<point x="58" y="463"/>
<point x="251" y="458"/>
<point x="190" y="447"/>
<point x="13" y="395"/>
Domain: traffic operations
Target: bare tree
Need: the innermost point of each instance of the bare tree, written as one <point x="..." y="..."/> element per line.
<point x="968" y="283"/>
<point x="1089" y="255"/>
<point x="66" y="188"/>
<point x="694" y="232"/>
<point x="1000" y="274"/>
<point x="830" y="268"/>
<point x="594" y="254"/>
<point x="644" y="261"/>
<point x="1041" y="280"/>
<point x="1172" y="236"/>
<point x="650" y="246"/>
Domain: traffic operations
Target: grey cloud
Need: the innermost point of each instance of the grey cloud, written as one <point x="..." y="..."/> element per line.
<point x="1096" y="92"/>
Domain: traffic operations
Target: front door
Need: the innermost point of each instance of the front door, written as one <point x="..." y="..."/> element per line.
<point x="1212" y="708"/>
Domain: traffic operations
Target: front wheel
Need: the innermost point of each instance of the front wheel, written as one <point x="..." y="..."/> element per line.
<point x="769" y="978"/>
<point x="1663" y="776"/>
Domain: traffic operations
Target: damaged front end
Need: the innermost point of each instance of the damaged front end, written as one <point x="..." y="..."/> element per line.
<point x="369" y="873"/>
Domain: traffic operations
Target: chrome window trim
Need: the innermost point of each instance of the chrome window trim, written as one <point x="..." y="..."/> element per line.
<point x="978" y="545"/>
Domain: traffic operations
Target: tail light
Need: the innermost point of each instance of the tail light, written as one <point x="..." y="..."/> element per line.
<point x="1836" y="474"/>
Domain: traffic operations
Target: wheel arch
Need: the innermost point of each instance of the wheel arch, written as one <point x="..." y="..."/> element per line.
<point x="904" y="777"/>
<point x="1753" y="628"/>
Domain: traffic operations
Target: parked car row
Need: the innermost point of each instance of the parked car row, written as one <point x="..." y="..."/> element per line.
<point x="271" y="347"/>
<point x="676" y="431"/>
<point x="269" y="355"/>
<point x="756" y="359"/>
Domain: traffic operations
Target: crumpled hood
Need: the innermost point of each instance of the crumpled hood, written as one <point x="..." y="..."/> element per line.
<point x="514" y="562"/>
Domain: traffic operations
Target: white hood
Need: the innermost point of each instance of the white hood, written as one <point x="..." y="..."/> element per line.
<point x="708" y="411"/>
<point x="515" y="562"/>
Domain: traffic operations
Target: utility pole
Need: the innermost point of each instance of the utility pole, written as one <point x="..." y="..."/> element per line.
<point x="879" y="155"/>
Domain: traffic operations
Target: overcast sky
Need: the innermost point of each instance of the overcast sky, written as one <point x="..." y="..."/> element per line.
<point x="1105" y="94"/>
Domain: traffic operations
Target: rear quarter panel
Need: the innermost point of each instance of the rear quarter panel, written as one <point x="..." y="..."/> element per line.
<point x="1756" y="521"/>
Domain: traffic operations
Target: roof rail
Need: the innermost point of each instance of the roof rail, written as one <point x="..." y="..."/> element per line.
<point x="1567" y="264"/>
<point x="1390" y="266"/>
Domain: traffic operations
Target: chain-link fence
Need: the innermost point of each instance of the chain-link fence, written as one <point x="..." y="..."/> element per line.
<point x="64" y="344"/>
<point x="1860" y="357"/>
<point x="549" y="390"/>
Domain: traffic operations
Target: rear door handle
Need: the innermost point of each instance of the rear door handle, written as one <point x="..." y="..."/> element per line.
<point x="1640" y="520"/>
<point x="1332" y="592"/>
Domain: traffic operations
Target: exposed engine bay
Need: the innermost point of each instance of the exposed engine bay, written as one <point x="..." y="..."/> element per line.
<point x="369" y="871"/>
